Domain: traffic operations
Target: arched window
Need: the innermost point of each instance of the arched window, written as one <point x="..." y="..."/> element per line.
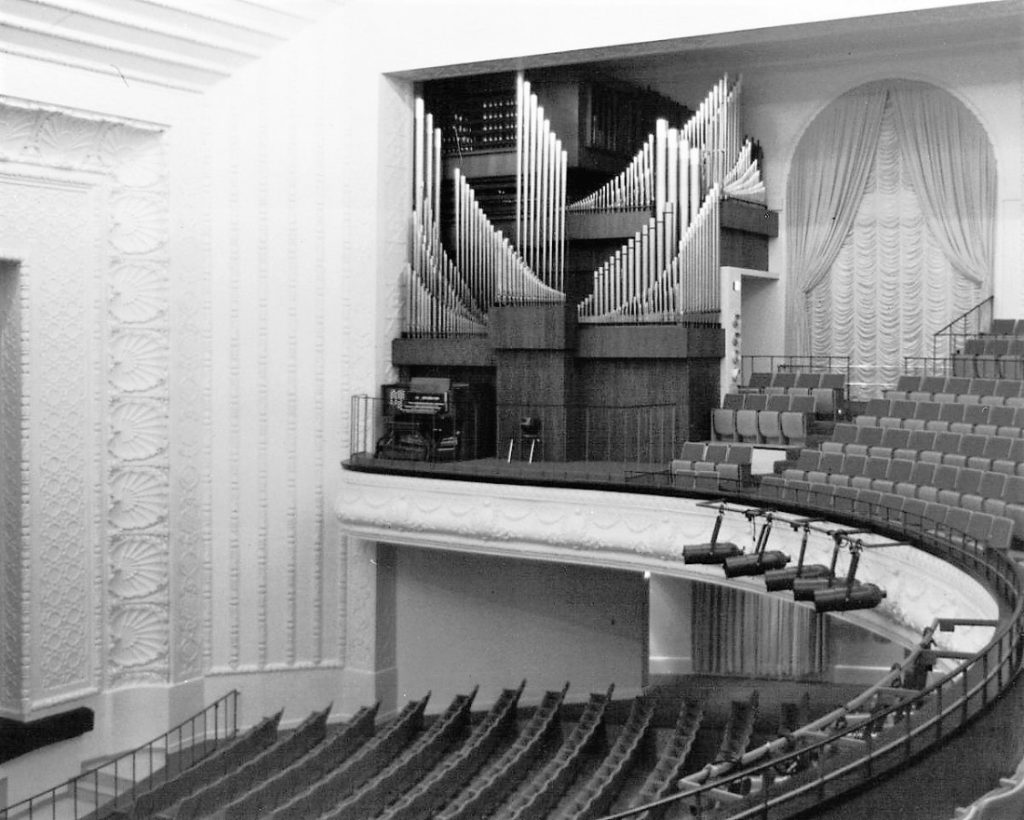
<point x="890" y="225"/>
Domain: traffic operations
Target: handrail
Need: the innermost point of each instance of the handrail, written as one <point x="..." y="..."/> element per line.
<point x="781" y="361"/>
<point x="136" y="765"/>
<point x="935" y="712"/>
<point x="975" y="313"/>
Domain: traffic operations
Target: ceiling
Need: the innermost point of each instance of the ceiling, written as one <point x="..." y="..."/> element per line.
<point x="185" y="44"/>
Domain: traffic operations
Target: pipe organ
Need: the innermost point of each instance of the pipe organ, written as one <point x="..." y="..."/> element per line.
<point x="669" y="270"/>
<point x="541" y="169"/>
<point x="445" y="296"/>
<point x="666" y="273"/>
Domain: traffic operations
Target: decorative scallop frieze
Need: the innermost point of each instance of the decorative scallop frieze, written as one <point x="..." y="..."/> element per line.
<point x="140" y="222"/>
<point x="138" y="566"/>
<point x="138" y="635"/>
<point x="138" y="292"/>
<point x="133" y="156"/>
<point x="138" y="361"/>
<point x="138" y="429"/>
<point x="138" y="498"/>
<point x="66" y="142"/>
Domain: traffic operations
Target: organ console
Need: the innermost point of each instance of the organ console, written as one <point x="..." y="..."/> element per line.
<point x="419" y="421"/>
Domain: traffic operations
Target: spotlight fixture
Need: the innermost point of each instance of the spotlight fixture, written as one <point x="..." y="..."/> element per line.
<point x="852" y="594"/>
<point x="712" y="552"/>
<point x="804" y="587"/>
<point x="780" y="579"/>
<point x="759" y="561"/>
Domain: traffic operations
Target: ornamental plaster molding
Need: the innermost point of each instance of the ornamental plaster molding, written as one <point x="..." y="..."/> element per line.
<point x="641" y="532"/>
<point x="95" y="436"/>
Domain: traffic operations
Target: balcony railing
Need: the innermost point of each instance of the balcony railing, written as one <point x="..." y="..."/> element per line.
<point x="831" y="763"/>
<point x="108" y="788"/>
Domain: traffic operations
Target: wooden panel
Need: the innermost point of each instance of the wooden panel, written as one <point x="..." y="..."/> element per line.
<point x="532" y="327"/>
<point x="465" y="351"/>
<point x="749" y="217"/>
<point x="649" y="342"/>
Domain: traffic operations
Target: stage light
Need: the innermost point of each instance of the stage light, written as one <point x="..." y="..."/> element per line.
<point x="777" y="580"/>
<point x="756" y="564"/>
<point x="760" y="560"/>
<point x="804" y="588"/>
<point x="849" y="596"/>
<point x="712" y="552"/>
<point x="848" y="593"/>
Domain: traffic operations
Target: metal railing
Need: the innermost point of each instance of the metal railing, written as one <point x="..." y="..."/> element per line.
<point x="770" y="363"/>
<point x="854" y="756"/>
<point x="949" y="339"/>
<point x="112" y="786"/>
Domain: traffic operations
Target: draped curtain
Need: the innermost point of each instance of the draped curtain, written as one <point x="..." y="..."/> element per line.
<point x="892" y="233"/>
<point x="743" y="633"/>
<point x="892" y="286"/>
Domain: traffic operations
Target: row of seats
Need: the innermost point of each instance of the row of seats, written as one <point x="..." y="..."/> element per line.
<point x="971" y="487"/>
<point x="1007" y="421"/>
<point x="903" y="512"/>
<point x="792" y="400"/>
<point x="994" y="346"/>
<point x="1008" y="366"/>
<point x="947" y="388"/>
<point x="1003" y="454"/>
<point x="1007" y="327"/>
<point x="785" y="379"/>
<point x="769" y="427"/>
<point x="820" y="401"/>
<point x="707" y="466"/>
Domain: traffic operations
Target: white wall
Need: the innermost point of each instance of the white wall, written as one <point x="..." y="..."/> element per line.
<point x="465" y="620"/>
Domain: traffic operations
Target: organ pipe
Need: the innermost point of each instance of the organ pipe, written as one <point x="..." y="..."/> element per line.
<point x="680" y="175"/>
<point x="541" y="173"/>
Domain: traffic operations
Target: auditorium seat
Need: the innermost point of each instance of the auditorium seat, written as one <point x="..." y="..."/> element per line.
<point x="759" y="380"/>
<point x="921" y="475"/>
<point x="794" y="427"/>
<point x="842" y="435"/>
<point x="825" y="402"/>
<point x="898" y="470"/>
<point x="783" y="379"/>
<point x="500" y="777"/>
<point x="746" y="426"/>
<point x="233" y="784"/>
<point x="670" y="766"/>
<point x="191" y="780"/>
<point x="723" y="424"/>
<point x="769" y="426"/>
<point x="905" y="384"/>
<point x="372" y="758"/>
<point x="1013" y="464"/>
<point x="732" y="401"/>
<point x="874" y="468"/>
<point x="442" y="783"/>
<point x="810" y="381"/>
<point x="307" y="771"/>
<point x="754" y="401"/>
<point x="1002" y="327"/>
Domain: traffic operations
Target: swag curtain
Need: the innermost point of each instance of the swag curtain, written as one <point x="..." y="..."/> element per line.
<point x="891" y="286"/>
<point x="950" y="166"/>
